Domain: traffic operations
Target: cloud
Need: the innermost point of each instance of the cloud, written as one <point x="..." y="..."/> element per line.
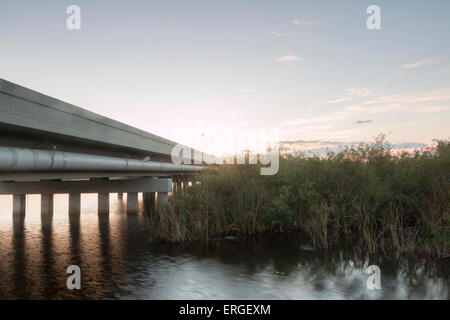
<point x="247" y="90"/>
<point x="343" y="99"/>
<point x="439" y="140"/>
<point x="430" y="109"/>
<point x="417" y="101"/>
<point x="363" y="121"/>
<point x="319" y="142"/>
<point x="315" y="121"/>
<point x="288" y="59"/>
<point x="300" y="22"/>
<point x="298" y="141"/>
<point x="275" y="33"/>
<point x="352" y="93"/>
<point x="421" y="63"/>
<point x="408" y="145"/>
<point x="424" y="101"/>
<point x="388" y="107"/>
<point x="321" y="148"/>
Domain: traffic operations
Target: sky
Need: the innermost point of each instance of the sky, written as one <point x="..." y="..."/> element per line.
<point x="311" y="70"/>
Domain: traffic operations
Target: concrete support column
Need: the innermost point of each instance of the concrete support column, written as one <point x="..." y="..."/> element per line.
<point x="47" y="204"/>
<point x="120" y="196"/>
<point x="163" y="197"/>
<point x="19" y="205"/>
<point x="149" y="200"/>
<point x="176" y="187"/>
<point x="103" y="203"/>
<point x="132" y="202"/>
<point x="74" y="203"/>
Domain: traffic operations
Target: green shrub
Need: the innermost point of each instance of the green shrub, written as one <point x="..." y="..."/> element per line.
<point x="367" y="194"/>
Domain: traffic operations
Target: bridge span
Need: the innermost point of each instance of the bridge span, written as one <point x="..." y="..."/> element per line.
<point x="48" y="146"/>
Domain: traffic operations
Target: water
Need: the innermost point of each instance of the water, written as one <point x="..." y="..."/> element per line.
<point x="118" y="262"/>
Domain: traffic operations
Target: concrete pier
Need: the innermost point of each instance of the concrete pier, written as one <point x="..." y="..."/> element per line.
<point x="103" y="203"/>
<point x="163" y="197"/>
<point x="149" y="200"/>
<point x="46" y="221"/>
<point x="74" y="203"/>
<point x="132" y="202"/>
<point x="19" y="205"/>
<point x="47" y="204"/>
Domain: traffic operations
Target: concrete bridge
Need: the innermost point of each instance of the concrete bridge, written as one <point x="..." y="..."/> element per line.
<point x="48" y="146"/>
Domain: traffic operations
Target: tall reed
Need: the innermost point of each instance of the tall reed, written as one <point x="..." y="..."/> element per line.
<point x="367" y="194"/>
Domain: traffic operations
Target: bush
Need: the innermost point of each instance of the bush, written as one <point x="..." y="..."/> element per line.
<point x="367" y="194"/>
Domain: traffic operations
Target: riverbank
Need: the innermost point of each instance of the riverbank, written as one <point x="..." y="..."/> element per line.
<point x="369" y="195"/>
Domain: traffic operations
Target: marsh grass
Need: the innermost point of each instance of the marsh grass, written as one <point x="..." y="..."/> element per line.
<point x="367" y="195"/>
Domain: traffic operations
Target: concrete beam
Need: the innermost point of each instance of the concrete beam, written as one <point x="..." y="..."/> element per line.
<point x="90" y="186"/>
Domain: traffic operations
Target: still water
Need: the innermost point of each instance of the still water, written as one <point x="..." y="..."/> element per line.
<point x="118" y="262"/>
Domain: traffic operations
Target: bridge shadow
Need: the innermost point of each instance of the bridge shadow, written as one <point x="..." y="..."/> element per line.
<point x="49" y="263"/>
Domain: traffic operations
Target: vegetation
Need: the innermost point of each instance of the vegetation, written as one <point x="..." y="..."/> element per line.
<point x="367" y="195"/>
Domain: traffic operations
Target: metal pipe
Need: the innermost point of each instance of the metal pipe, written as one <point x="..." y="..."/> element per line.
<point x="19" y="160"/>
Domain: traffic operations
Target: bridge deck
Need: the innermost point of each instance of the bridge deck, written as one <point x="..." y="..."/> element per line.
<point x="33" y="120"/>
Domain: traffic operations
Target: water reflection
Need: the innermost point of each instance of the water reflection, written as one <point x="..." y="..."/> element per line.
<point x="118" y="261"/>
<point x="19" y="264"/>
